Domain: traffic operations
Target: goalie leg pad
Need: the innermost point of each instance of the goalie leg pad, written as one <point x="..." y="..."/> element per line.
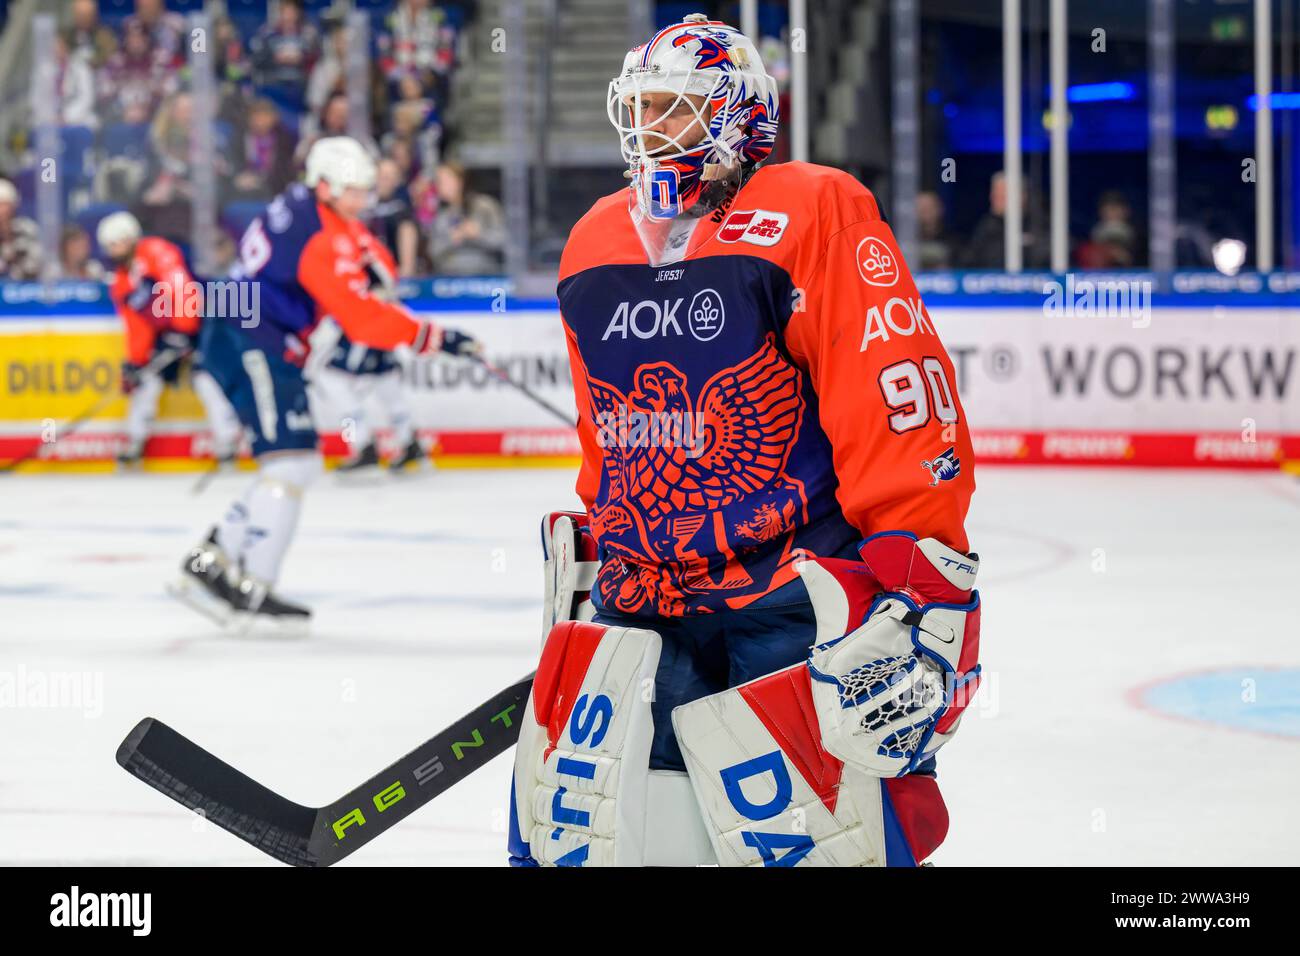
<point x="583" y="793"/>
<point x="773" y="796"/>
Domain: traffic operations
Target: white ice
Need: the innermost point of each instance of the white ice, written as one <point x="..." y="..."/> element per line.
<point x="426" y="594"/>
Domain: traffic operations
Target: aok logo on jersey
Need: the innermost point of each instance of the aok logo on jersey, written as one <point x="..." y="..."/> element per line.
<point x="876" y="262"/>
<point x="898" y="316"/>
<point x="651" y="318"/>
<point x="759" y="226"/>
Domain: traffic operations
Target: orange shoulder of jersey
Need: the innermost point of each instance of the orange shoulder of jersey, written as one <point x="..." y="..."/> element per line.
<point x="333" y="273"/>
<point x="604" y="236"/>
<point x="158" y="257"/>
<point x="787" y="213"/>
<point x="886" y="387"/>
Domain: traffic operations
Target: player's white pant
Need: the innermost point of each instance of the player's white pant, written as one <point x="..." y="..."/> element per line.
<point x="141" y="408"/>
<point x="222" y="419"/>
<point x="348" y="394"/>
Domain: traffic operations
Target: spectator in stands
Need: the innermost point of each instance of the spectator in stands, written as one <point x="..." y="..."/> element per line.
<point x="419" y="187"/>
<point x="133" y="83"/>
<point x="418" y="42"/>
<point x="415" y="118"/>
<point x="20" y="243"/>
<point x="228" y="51"/>
<point x="164" y="30"/>
<point x="987" y="246"/>
<point x="333" y="120"/>
<point x="392" y="220"/>
<point x="283" y="52"/>
<point x="75" y="260"/>
<point x="329" y="75"/>
<point x="932" y="234"/>
<point x="468" y="236"/>
<point x="166" y="203"/>
<point x="76" y="86"/>
<point x="87" y="37"/>
<point x="1113" y="241"/>
<point x="263" y="154"/>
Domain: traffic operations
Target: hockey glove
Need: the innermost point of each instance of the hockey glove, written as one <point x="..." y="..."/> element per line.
<point x="130" y="377"/>
<point x="895" y="662"/>
<point x="433" y="338"/>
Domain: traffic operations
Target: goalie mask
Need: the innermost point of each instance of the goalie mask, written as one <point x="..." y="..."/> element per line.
<point x="714" y="118"/>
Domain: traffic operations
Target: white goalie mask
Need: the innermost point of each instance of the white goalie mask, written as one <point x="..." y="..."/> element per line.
<point x="724" y="102"/>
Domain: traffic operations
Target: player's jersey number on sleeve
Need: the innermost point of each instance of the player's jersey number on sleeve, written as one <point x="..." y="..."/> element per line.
<point x="254" y="249"/>
<point x="917" y="393"/>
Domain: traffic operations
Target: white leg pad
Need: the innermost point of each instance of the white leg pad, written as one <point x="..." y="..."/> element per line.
<point x="772" y="796"/>
<point x="583" y="791"/>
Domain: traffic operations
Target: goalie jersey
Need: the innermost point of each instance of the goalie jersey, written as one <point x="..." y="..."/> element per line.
<point x="781" y="387"/>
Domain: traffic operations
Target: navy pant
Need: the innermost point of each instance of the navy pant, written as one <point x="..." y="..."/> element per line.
<point x="708" y="653"/>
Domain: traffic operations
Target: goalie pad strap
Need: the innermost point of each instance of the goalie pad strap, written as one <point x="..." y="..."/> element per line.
<point x="569" y="569"/>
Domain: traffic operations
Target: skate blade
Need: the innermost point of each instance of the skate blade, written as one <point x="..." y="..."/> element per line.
<point x="199" y="600"/>
<point x="261" y="626"/>
<point x="412" y="469"/>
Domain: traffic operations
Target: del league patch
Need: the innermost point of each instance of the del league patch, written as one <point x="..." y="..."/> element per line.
<point x="759" y="226"/>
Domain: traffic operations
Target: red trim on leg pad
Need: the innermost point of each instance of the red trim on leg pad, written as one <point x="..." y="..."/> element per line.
<point x="568" y="653"/>
<point x="783" y="703"/>
<point x="921" y="812"/>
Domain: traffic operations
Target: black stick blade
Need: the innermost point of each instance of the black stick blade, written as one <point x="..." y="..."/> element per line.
<point x="175" y="766"/>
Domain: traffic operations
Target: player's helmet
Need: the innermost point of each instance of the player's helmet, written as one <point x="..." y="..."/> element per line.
<point x="340" y="161"/>
<point x="699" y="57"/>
<point x="117" y="227"/>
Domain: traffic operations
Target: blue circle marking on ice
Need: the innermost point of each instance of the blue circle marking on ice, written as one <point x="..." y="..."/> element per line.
<point x="1265" y="701"/>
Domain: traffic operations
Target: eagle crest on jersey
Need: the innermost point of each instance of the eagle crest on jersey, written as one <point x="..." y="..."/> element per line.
<point x="694" y="484"/>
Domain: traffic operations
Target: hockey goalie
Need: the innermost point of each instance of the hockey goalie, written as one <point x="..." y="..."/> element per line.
<point x="764" y="626"/>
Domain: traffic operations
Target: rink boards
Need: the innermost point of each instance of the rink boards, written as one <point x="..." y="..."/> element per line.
<point x="1184" y="385"/>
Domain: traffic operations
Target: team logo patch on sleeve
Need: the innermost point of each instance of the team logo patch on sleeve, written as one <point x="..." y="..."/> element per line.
<point x="759" y="226"/>
<point x="876" y="263"/>
<point x="943" y="467"/>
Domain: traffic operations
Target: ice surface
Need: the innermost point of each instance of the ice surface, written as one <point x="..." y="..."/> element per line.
<point x="426" y="591"/>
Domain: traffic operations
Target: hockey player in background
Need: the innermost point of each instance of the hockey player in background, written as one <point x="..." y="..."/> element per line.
<point x="354" y="373"/>
<point x="308" y="255"/>
<point x="161" y="310"/>
<point x="776" y="470"/>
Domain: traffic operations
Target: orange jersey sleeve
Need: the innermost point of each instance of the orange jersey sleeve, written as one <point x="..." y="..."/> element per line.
<point x="337" y="280"/>
<point x="139" y="331"/>
<point x="593" y="456"/>
<point x="161" y="263"/>
<point x="885" y="385"/>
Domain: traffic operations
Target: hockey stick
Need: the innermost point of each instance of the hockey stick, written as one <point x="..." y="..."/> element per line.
<point x="156" y="366"/>
<point x="500" y="374"/>
<point x="321" y="836"/>
<point x="205" y="479"/>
